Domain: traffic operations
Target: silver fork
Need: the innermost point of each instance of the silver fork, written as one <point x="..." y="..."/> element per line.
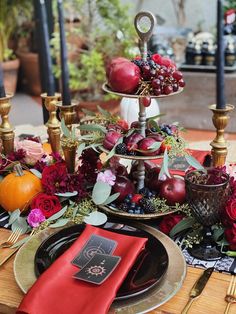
<point x="14" y="236"/>
<point x="231" y="293"/>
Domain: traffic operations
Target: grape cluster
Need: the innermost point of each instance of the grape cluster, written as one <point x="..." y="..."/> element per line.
<point x="162" y="80"/>
<point x="168" y="129"/>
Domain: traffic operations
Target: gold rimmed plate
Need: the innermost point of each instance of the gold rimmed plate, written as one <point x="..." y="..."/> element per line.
<point x="107" y="89"/>
<point x="121" y="214"/>
<point x="147" y="301"/>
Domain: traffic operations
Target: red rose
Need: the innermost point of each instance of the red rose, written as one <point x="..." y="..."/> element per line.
<point x="156" y="58"/>
<point x="230" y="235"/>
<point x="48" y="204"/>
<point x="168" y="222"/>
<point x="230" y="209"/>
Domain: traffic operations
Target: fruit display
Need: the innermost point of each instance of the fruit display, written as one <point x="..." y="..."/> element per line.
<point x="155" y="76"/>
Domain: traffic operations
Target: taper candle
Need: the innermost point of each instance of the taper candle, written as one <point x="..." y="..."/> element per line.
<point x="66" y="99"/>
<point x="220" y="60"/>
<point x="50" y="86"/>
<point x="2" y="89"/>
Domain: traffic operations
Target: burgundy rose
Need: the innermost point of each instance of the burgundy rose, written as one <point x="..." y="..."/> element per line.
<point x="54" y="178"/>
<point x="230" y="235"/>
<point x="169" y="221"/>
<point x="230" y="209"/>
<point x="48" y="204"/>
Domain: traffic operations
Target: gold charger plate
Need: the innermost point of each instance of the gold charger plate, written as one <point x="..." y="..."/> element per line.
<point x="158" y="295"/>
<point x="121" y="214"/>
<point x="107" y="89"/>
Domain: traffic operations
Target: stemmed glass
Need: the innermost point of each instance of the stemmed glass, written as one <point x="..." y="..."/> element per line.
<point x="207" y="192"/>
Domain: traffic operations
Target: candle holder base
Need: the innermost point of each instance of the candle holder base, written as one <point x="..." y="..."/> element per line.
<point x="69" y="151"/>
<point x="68" y="113"/>
<point x="220" y="120"/>
<point x="6" y="129"/>
<point x="53" y="125"/>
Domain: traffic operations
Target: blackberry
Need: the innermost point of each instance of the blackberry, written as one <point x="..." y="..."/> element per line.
<point x="121" y="149"/>
<point x="124" y="207"/>
<point x="131" y="153"/>
<point x="147" y="206"/>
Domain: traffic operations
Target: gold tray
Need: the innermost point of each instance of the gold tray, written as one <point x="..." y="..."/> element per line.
<point x="131" y="157"/>
<point x="107" y="89"/>
<point x="140" y="217"/>
<point x="168" y="287"/>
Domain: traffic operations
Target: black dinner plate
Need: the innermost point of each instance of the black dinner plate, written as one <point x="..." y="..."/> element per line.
<point x="147" y="271"/>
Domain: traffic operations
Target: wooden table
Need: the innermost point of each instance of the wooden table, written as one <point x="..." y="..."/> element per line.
<point x="210" y="302"/>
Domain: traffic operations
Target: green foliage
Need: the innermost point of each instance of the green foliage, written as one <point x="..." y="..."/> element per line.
<point x="229" y="4"/>
<point x="106" y="30"/>
<point x="12" y="14"/>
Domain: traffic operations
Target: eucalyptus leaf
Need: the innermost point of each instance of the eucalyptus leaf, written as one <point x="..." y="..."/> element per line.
<point x="156" y="116"/>
<point x="184" y="224"/>
<point x="60" y="223"/>
<point x="88" y="112"/>
<point x="93" y="128"/>
<point x="21" y="223"/>
<point x="80" y="149"/>
<point x="162" y="171"/>
<point x="67" y="194"/>
<point x="153" y="124"/>
<point x="217" y="233"/>
<point x="14" y="216"/>
<point x="73" y="135"/>
<point x="58" y="214"/>
<point x="36" y="173"/>
<point x="231" y="253"/>
<point x="74" y="212"/>
<point x="21" y="242"/>
<point x="104" y="112"/>
<point x="111" y="198"/>
<point x="113" y="151"/>
<point x="101" y="191"/>
<point x="154" y="146"/>
<point x="65" y="129"/>
<point x="194" y="162"/>
<point x="130" y="132"/>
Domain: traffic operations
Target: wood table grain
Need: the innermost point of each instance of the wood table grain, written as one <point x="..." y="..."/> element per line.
<point x="210" y="302"/>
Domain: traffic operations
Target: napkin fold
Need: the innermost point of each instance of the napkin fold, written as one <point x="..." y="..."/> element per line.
<point x="57" y="292"/>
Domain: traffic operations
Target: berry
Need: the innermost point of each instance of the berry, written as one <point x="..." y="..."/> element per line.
<point x="175" y="87"/>
<point x="156" y="83"/>
<point x="181" y="83"/>
<point x="130" y="211"/>
<point x="145" y="101"/>
<point x="124" y="207"/>
<point x="131" y="153"/>
<point x="177" y="75"/>
<point x="136" y="198"/>
<point x="168" y="89"/>
<point x="147" y="206"/>
<point x="132" y="205"/>
<point x="137" y="211"/>
<point x="121" y="149"/>
<point x="157" y="91"/>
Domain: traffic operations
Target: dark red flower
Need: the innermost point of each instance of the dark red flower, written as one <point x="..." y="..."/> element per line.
<point x="55" y="178"/>
<point x="18" y="155"/>
<point x="88" y="168"/>
<point x="169" y="221"/>
<point x="230" y="209"/>
<point x="48" y="204"/>
<point x="75" y="183"/>
<point x="230" y="235"/>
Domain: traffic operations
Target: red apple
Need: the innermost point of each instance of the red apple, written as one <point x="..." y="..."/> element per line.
<point x="124" y="77"/>
<point x="134" y="138"/>
<point x="113" y="62"/>
<point x="111" y="139"/>
<point x="152" y="181"/>
<point x="135" y="125"/>
<point x="145" y="145"/>
<point x="123" y="186"/>
<point x="173" y="190"/>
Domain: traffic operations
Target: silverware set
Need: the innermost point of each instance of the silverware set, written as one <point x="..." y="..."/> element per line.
<point x="12" y="239"/>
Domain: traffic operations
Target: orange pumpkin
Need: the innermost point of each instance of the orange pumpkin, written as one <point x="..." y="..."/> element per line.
<point x="18" y="188"/>
<point x="47" y="148"/>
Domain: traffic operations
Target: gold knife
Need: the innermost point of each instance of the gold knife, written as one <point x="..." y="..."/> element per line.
<point x="198" y="288"/>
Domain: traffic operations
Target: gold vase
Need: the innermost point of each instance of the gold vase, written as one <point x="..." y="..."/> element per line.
<point x="69" y="150"/>
<point x="6" y="129"/>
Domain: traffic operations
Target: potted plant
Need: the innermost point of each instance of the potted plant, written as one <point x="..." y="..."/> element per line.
<point x="105" y="30"/>
<point x="12" y="14"/>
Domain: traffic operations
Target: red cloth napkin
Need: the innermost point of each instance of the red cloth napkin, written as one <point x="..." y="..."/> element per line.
<point x="56" y="292"/>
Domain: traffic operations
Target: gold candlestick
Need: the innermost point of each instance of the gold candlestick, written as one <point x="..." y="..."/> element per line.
<point x="53" y="124"/>
<point x="69" y="145"/>
<point x="220" y="120"/>
<point x="6" y="129"/>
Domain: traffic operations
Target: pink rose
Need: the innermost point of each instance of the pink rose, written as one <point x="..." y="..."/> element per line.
<point x="107" y="177"/>
<point x="35" y="217"/>
<point x="34" y="151"/>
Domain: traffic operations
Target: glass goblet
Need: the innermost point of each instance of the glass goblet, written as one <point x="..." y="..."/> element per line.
<point x="206" y="194"/>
